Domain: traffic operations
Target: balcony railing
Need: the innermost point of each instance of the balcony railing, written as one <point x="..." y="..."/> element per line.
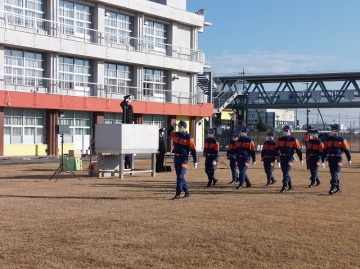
<point x="18" y="22"/>
<point x="94" y="90"/>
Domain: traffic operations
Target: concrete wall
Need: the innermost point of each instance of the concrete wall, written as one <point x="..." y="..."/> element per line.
<point x="33" y="149"/>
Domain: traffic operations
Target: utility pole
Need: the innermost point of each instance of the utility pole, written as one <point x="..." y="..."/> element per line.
<point x="307" y="118"/>
<point x="307" y="109"/>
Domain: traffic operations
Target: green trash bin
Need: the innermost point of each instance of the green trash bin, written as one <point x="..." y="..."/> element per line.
<point x="69" y="164"/>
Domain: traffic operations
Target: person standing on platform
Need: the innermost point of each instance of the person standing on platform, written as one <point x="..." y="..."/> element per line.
<point x="314" y="154"/>
<point x="268" y="156"/>
<point x="128" y="113"/>
<point x="127" y="118"/>
<point x="285" y="147"/>
<point x="211" y="154"/>
<point x="161" y="152"/>
<point x="231" y="155"/>
<point x="183" y="144"/>
<point x="307" y="137"/>
<point x="245" y="149"/>
<point x="334" y="146"/>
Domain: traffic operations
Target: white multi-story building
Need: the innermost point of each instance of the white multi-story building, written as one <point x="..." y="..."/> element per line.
<point x="79" y="58"/>
<point x="275" y="118"/>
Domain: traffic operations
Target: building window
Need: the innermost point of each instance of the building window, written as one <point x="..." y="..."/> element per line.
<point x="154" y="82"/>
<point x="26" y="13"/>
<point x="24" y="67"/>
<point x="118" y="28"/>
<point x="74" y="73"/>
<point x="80" y="126"/>
<point x="24" y="126"/>
<point x="158" y="120"/>
<point x="112" y="118"/>
<point x="76" y="19"/>
<point x="117" y="78"/>
<point x="155" y="36"/>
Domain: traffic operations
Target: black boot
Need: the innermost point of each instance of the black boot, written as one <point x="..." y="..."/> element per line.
<point x="248" y="184"/>
<point x="177" y="195"/>
<point x="332" y="189"/>
<point x="214" y="181"/>
<point x="209" y="183"/>
<point x="318" y="182"/>
<point x="187" y="194"/>
<point x="338" y="190"/>
<point x="240" y="186"/>
<point x="291" y="187"/>
<point x="312" y="184"/>
<point x="283" y="189"/>
<point x="273" y="180"/>
<point x="268" y="183"/>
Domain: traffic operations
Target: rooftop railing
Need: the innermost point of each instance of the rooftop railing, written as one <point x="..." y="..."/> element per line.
<point x="95" y="90"/>
<point x="18" y="22"/>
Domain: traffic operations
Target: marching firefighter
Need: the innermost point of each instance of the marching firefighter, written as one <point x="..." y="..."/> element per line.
<point x="268" y="156"/>
<point x="245" y="149"/>
<point x="285" y="146"/>
<point x="231" y="155"/>
<point x="183" y="143"/>
<point x="334" y="147"/>
<point x="307" y="137"/>
<point x="211" y="154"/>
<point x="314" y="154"/>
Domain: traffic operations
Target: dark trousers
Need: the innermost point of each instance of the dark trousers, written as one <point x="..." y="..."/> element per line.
<point x="269" y="167"/>
<point x="286" y="165"/>
<point x="335" y="163"/>
<point x="233" y="167"/>
<point x="209" y="168"/>
<point x="160" y="162"/>
<point x="127" y="162"/>
<point x="314" y="164"/>
<point x="243" y="164"/>
<point x="180" y="163"/>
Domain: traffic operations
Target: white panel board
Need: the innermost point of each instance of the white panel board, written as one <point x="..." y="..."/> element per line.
<point x="126" y="138"/>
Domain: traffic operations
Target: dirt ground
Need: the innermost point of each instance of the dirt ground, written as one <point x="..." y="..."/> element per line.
<point x="133" y="223"/>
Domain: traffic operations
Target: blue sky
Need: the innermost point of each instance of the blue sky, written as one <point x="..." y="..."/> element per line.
<point x="282" y="36"/>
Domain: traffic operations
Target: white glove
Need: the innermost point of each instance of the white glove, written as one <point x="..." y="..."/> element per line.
<point x="196" y="165"/>
<point x="323" y="165"/>
<point x="349" y="162"/>
<point x="254" y="163"/>
<point x="279" y="164"/>
<point x="302" y="162"/>
<point x="214" y="163"/>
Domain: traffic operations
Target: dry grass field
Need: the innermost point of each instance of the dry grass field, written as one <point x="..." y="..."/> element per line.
<point x="132" y="223"/>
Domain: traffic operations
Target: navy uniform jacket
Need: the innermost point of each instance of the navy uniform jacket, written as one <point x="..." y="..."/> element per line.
<point x="183" y="143"/>
<point x="231" y="151"/>
<point x="268" y="150"/>
<point x="335" y="146"/>
<point x="314" y="150"/>
<point x="245" y="147"/>
<point x="211" y="148"/>
<point x="128" y="113"/>
<point x="287" y="145"/>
